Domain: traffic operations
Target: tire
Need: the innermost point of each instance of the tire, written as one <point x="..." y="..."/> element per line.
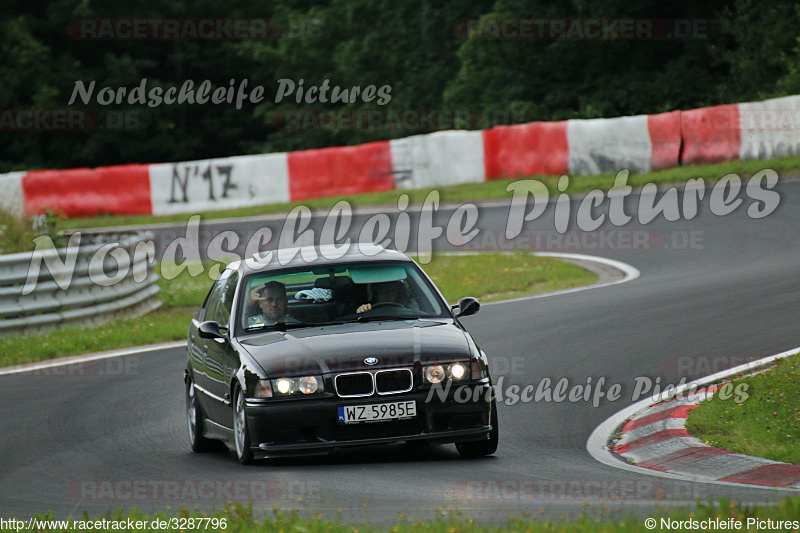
<point x="483" y="447"/>
<point x="241" y="435"/>
<point x="194" y="418"/>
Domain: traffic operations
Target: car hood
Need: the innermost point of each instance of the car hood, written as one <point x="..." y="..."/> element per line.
<point x="344" y="348"/>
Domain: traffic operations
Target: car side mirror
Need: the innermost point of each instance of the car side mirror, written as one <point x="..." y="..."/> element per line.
<point x="468" y="306"/>
<point x="210" y="330"/>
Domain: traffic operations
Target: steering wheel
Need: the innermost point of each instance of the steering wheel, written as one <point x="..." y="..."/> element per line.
<point x="387" y="304"/>
<point x="375" y="307"/>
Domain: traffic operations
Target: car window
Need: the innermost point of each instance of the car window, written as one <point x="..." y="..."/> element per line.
<point x="222" y="314"/>
<point x="211" y="303"/>
<point x="220" y="300"/>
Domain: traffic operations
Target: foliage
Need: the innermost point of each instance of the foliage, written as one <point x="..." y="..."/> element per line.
<point x="759" y="49"/>
<point x="241" y="518"/>
<point x="15" y="235"/>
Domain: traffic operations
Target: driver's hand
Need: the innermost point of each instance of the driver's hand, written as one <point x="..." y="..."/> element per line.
<point x="363" y="308"/>
<point x="254" y="296"/>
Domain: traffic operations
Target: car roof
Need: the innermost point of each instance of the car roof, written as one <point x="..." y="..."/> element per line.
<point x="296" y="257"/>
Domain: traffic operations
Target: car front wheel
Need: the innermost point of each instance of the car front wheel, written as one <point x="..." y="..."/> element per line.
<point x="240" y="433"/>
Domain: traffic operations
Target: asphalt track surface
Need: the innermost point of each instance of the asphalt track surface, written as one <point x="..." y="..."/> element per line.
<point x="81" y="439"/>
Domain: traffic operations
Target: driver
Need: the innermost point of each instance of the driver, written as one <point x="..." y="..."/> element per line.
<point x="388" y="291"/>
<point x="272" y="301"/>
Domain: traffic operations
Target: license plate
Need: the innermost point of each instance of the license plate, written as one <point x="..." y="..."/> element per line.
<point x="377" y="412"/>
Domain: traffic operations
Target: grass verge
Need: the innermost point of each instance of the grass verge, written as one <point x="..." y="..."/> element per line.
<point x="15" y="235"/>
<point x="239" y="518"/>
<point x="767" y="424"/>
<point x="491" y="276"/>
<point x="494" y="276"/>
<point x="494" y="189"/>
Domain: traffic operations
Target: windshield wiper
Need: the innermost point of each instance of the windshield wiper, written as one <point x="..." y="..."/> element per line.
<point x="280" y="326"/>
<point x="283" y="326"/>
<point x="373" y="318"/>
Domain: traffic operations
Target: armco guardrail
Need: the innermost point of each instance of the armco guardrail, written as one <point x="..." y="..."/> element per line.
<point x="84" y="301"/>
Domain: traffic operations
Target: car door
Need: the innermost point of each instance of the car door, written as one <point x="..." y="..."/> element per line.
<point x="199" y="353"/>
<point x="221" y="360"/>
<point x="196" y="347"/>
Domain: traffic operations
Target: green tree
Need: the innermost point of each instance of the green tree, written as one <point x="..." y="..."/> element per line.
<point x="409" y="46"/>
<point x="760" y="37"/>
<point x="561" y="78"/>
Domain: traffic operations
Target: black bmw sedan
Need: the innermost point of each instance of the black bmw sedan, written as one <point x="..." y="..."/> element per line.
<point x="299" y="351"/>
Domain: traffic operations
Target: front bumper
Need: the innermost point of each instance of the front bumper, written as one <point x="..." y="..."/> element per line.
<point x="305" y="426"/>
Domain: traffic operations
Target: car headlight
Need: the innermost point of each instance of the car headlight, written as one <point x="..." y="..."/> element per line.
<point x="283" y="385"/>
<point x="457" y="371"/>
<point x="303" y="385"/>
<point x="434" y="373"/>
<point x="308" y="385"/>
<point x="437" y="373"/>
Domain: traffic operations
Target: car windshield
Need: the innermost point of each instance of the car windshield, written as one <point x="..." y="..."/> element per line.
<point x="313" y="296"/>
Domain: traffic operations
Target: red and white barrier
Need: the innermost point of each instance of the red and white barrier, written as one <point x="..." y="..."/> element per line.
<point x="223" y="183"/>
<point x="609" y="144"/>
<point x="665" y="140"/>
<point x="441" y="158"/>
<point x="639" y="144"/>
<point x="755" y="130"/>
<point x="339" y="171"/>
<point x="12" y="200"/>
<point x="770" y="128"/>
<point x="710" y="134"/>
<point x="526" y="150"/>
<point x="77" y="192"/>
